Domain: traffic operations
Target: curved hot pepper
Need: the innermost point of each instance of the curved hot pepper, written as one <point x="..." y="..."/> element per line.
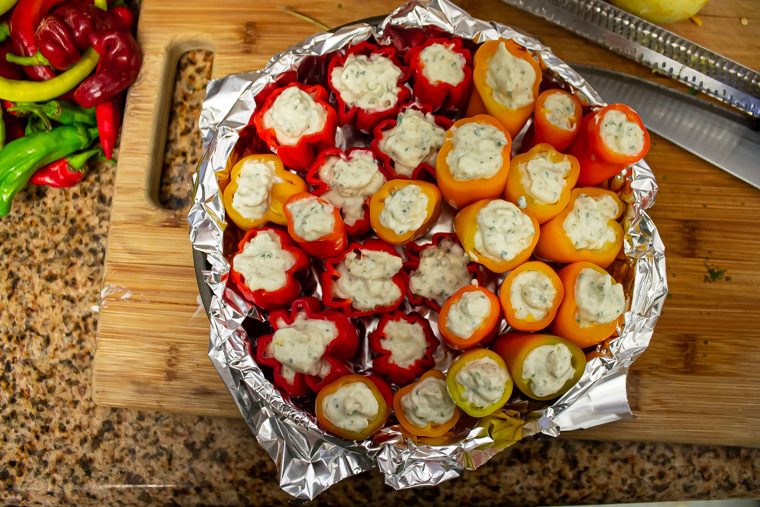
<point x="517" y="193"/>
<point x="466" y="228"/>
<point x="555" y="244"/>
<point x="66" y="172"/>
<point x="400" y="211"/>
<point x="457" y="390"/>
<point x="374" y="423"/>
<point x="364" y="119"/>
<point x="440" y="94"/>
<point x="299" y="156"/>
<point x="529" y="322"/>
<point x="567" y="323"/>
<point x="598" y="160"/>
<point x="340" y="349"/>
<point x="327" y="245"/>
<point x="431" y="429"/>
<point x="460" y="193"/>
<point x="543" y="130"/>
<point x="482" y="334"/>
<point x="513" y="119"/>
<point x="414" y="254"/>
<point x="331" y="275"/>
<point x="514" y="348"/>
<point x="283" y="296"/>
<point x="384" y="363"/>
<point x="424" y="170"/>
<point x="285" y="185"/>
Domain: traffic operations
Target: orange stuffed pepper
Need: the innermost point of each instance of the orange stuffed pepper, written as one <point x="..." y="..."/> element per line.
<point x="540" y="181"/>
<point x="425" y="408"/>
<point x="316" y="225"/>
<point x="506" y="79"/>
<point x="543" y="366"/>
<point x="403" y="210"/>
<point x="469" y="318"/>
<point x="496" y="234"/>
<point x="556" y="120"/>
<point x="354" y="407"/>
<point x="530" y="296"/>
<point x="586" y="230"/>
<point x="259" y="186"/>
<point x="473" y="162"/>
<point x="593" y="305"/>
<point x="479" y="382"/>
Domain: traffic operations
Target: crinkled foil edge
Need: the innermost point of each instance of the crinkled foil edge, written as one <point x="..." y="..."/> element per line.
<point x="310" y="460"/>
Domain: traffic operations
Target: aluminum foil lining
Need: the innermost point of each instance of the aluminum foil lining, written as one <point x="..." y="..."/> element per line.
<point x="310" y="460"/>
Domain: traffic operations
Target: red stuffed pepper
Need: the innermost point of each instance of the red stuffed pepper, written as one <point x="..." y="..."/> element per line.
<point x="364" y="280"/>
<point x="297" y="123"/>
<point x="368" y="85"/>
<point x="436" y="270"/>
<point x="348" y="181"/>
<point x="609" y="141"/>
<point x="316" y="225"/>
<point x="442" y="73"/>
<point x="309" y="346"/>
<point x="268" y="268"/>
<point x="408" y="145"/>
<point x="405" y="344"/>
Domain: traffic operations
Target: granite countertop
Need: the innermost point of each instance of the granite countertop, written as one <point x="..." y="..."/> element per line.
<point x="58" y="447"/>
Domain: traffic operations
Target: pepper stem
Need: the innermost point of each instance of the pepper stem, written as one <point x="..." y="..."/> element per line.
<point x="28" y="61"/>
<point x="304" y="17"/>
<point x="5" y="31"/>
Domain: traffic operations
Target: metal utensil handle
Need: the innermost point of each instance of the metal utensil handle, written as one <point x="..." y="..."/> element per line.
<point x="655" y="47"/>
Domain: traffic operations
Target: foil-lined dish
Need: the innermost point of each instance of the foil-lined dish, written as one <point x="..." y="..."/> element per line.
<point x="309" y="459"/>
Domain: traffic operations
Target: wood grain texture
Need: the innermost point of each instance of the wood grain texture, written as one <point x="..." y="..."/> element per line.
<point x="698" y="381"/>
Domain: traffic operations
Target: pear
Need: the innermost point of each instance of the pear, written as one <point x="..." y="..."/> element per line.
<point x="661" y="11"/>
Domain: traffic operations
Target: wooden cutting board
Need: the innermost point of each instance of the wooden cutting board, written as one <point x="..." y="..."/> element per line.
<point x="697" y="383"/>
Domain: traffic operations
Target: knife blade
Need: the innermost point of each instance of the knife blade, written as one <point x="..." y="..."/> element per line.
<point x="728" y="140"/>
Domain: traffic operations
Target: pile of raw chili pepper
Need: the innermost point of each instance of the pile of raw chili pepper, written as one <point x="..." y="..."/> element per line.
<point x="64" y="65"/>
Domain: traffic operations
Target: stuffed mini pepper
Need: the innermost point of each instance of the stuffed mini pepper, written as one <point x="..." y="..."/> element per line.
<point x="441" y="73"/>
<point x="268" y="268"/>
<point x="543" y="366"/>
<point x="479" y="382"/>
<point x="353" y="407"/>
<point x="530" y="296"/>
<point x="436" y="270"/>
<point x="470" y="318"/>
<point x="404" y="344"/>
<point x="408" y="144"/>
<point x="425" y="408"/>
<point x="506" y="78"/>
<point x="594" y="303"/>
<point x="309" y="346"/>
<point x="297" y="123"/>
<point x="368" y="85"/>
<point x="609" y="141"/>
<point x="348" y="180"/>
<point x="496" y="234"/>
<point x="316" y="225"/>
<point x="403" y="210"/>
<point x="556" y="120"/>
<point x="474" y="161"/>
<point x="586" y="230"/>
<point x="260" y="185"/>
<point x="540" y="181"/>
<point x="364" y="280"/>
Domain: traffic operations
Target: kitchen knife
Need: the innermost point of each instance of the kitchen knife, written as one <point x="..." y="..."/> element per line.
<point x="726" y="139"/>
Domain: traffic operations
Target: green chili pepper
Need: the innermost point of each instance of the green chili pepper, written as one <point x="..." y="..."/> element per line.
<point x="37" y="123"/>
<point x="21" y="158"/>
<point x="58" y="111"/>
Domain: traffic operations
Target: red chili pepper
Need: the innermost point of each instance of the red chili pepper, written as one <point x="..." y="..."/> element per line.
<point x="331" y="275"/>
<point x="65" y="172"/>
<point x="384" y="363"/>
<point x="340" y="349"/>
<point x="439" y="94"/>
<point x="424" y="171"/>
<point x="24" y="21"/>
<point x="109" y="116"/>
<point x="366" y="120"/>
<point x="125" y="16"/>
<point x="9" y="70"/>
<point x="269" y="300"/>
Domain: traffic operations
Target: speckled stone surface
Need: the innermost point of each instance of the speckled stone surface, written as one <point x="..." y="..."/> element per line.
<point x="59" y="448"/>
